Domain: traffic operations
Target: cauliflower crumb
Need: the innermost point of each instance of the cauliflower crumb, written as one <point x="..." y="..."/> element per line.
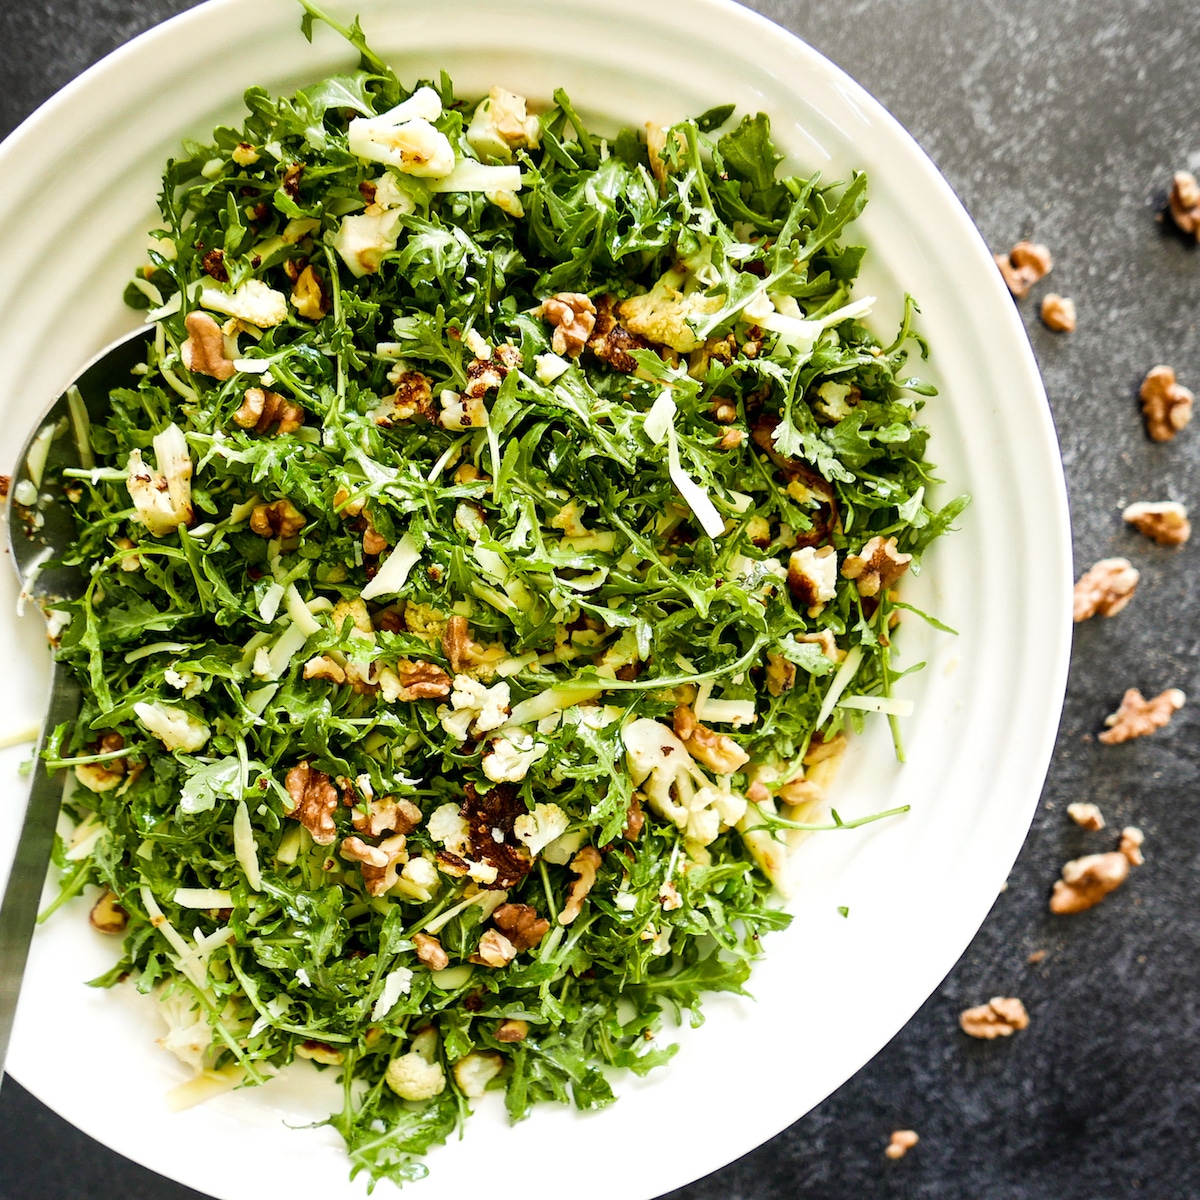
<point x="662" y="314"/>
<point x="509" y="758"/>
<point x="411" y="1077"/>
<point x="812" y="577"/>
<point x="253" y="302"/>
<point x="474" y="708"/>
<point x="539" y="828"/>
<point x="474" y="1072"/>
<point x="175" y="728"/>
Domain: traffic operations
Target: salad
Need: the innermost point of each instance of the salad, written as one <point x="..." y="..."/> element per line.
<point x="499" y="542"/>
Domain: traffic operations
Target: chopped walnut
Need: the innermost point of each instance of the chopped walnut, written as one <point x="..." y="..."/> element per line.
<point x="490" y="819"/>
<point x="1058" y="313"/>
<point x="379" y="880"/>
<point x="1184" y="203"/>
<point x="458" y="647"/>
<point x="321" y="1052"/>
<point x="1131" y="845"/>
<point x="1138" y="717"/>
<point x="494" y="950"/>
<point x="387" y="815"/>
<point x="781" y="674"/>
<point x="731" y="439"/>
<point x="1166" y="522"/>
<point x="717" y="751"/>
<point x="261" y="409"/>
<point x="1000" y="1017"/>
<point x="315" y="800"/>
<point x="635" y="819"/>
<point x="1088" y="816"/>
<point x="420" y="680"/>
<point x="521" y="925"/>
<point x="309" y="296"/>
<point x="356" y="850"/>
<point x="903" y="1140"/>
<point x="1086" y="881"/>
<point x="1166" y="405"/>
<point x="585" y="864"/>
<point x="876" y="567"/>
<point x="279" y="519"/>
<point x="1023" y="266"/>
<point x="107" y="916"/>
<point x="573" y="316"/>
<point x="203" y="352"/>
<point x="512" y="1030"/>
<point x="1105" y="589"/>
<point x="430" y="952"/>
<point x="106" y="775"/>
<point x="321" y="666"/>
<point x="373" y="542"/>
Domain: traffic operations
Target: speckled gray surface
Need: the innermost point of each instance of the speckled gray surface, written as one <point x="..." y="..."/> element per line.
<point x="1062" y="122"/>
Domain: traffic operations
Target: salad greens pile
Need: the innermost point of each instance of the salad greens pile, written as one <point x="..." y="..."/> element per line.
<point x="482" y="574"/>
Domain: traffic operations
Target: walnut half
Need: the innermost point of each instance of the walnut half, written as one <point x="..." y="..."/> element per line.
<point x="1165" y="522"/>
<point x="1086" y="881"/>
<point x="1166" y="405"/>
<point x="1001" y="1016"/>
<point x="876" y="567"/>
<point x="573" y="316"/>
<point x="1023" y="266"/>
<point x="260" y="409"/>
<point x="1184" y="203"/>
<point x="1105" y="589"/>
<point x="1138" y="717"/>
<point x="315" y="800"/>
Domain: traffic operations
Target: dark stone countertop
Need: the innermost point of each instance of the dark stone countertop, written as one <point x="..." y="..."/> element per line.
<point x="1061" y="122"/>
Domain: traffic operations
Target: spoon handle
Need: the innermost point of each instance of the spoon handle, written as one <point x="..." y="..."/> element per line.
<point x="22" y="895"/>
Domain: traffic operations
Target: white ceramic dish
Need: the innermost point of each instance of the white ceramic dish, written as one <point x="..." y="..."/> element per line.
<point x="77" y="188"/>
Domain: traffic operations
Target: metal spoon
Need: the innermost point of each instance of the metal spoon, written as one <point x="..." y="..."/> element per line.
<point x="39" y="532"/>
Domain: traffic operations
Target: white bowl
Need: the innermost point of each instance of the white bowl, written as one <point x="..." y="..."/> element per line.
<point x="77" y="189"/>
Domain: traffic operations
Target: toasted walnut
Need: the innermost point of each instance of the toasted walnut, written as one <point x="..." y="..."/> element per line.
<point x="213" y="265"/>
<point x="585" y="864"/>
<point x="279" y="519"/>
<point x="321" y="666"/>
<point x="512" y="1030"/>
<point x="521" y="925"/>
<point x="717" y="751"/>
<point x="308" y="295"/>
<point x="420" y="680"/>
<point x="1138" y="717"/>
<point x="1105" y="589"/>
<point x="387" y="815"/>
<point x="412" y="398"/>
<point x="462" y="652"/>
<point x="1166" y="405"/>
<point x="107" y="775"/>
<point x="107" y="915"/>
<point x="380" y="880"/>
<point x="573" y="316"/>
<point x="321" y="1052"/>
<point x="203" y="352"/>
<point x="876" y="567"/>
<point x="373" y="542"/>
<point x="1131" y="845"/>
<point x="635" y="820"/>
<point x="611" y="342"/>
<point x="781" y="674"/>
<point x="1086" y="881"/>
<point x="430" y="952"/>
<point x="494" y="950"/>
<point x="315" y="800"/>
<point x="1000" y="1017"/>
<point x="903" y="1140"/>
<point x="1058" y="313"/>
<point x="1087" y="815"/>
<point x="1166" y="522"/>
<point x="1184" y="203"/>
<point x="356" y="850"/>
<point x="261" y="409"/>
<point x="1023" y="266"/>
<point x="731" y="439"/>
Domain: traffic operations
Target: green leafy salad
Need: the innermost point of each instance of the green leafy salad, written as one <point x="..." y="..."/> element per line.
<point x="483" y="573"/>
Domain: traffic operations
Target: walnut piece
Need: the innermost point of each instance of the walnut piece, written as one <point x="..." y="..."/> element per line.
<point x="1105" y="589"/>
<point x="635" y="819"/>
<point x="1086" y="881"/>
<point x="717" y="751"/>
<point x="903" y="1140"/>
<point x="315" y="800"/>
<point x="494" y="950"/>
<point x="1001" y="1016"/>
<point x="380" y="880"/>
<point x="1088" y="816"/>
<point x="1023" y="266"/>
<point x="1166" y="521"/>
<point x="1131" y="845"/>
<point x="107" y="915"/>
<point x="308" y="295"/>
<point x="464" y="654"/>
<point x="261" y="409"/>
<point x="1166" y="405"/>
<point x="781" y="674"/>
<point x="512" y="1030"/>
<point x="876" y="567"/>
<point x="1058" y="313"/>
<point x="573" y="316"/>
<point x="109" y="774"/>
<point x="356" y="850"/>
<point x="585" y="864"/>
<point x="1184" y="203"/>
<point x="521" y="925"/>
<point x="421" y="680"/>
<point x="1138" y="717"/>
<point x="321" y="666"/>
<point x="387" y="815"/>
<point x="203" y="352"/>
<point x="279" y="519"/>
<point x="430" y="952"/>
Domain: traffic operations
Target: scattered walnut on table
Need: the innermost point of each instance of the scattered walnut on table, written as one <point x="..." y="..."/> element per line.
<point x="1086" y="881"/>
<point x="1131" y="845"/>
<point x="1105" y="589"/>
<point x="1166" y="521"/>
<point x="315" y="800"/>
<point x="1058" y="313"/>
<point x="876" y="567"/>
<point x="573" y="316"/>
<point x="1183" y="203"/>
<point x="203" y="352"/>
<point x="1001" y="1016"/>
<point x="260" y="409"/>
<point x="1139" y="717"/>
<point x="903" y="1140"/>
<point x="521" y="924"/>
<point x="1023" y="266"/>
<point x="1087" y="815"/>
<point x="1166" y="404"/>
<point x="279" y="519"/>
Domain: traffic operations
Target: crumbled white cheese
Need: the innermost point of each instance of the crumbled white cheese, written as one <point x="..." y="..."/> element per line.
<point x="474" y="708"/>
